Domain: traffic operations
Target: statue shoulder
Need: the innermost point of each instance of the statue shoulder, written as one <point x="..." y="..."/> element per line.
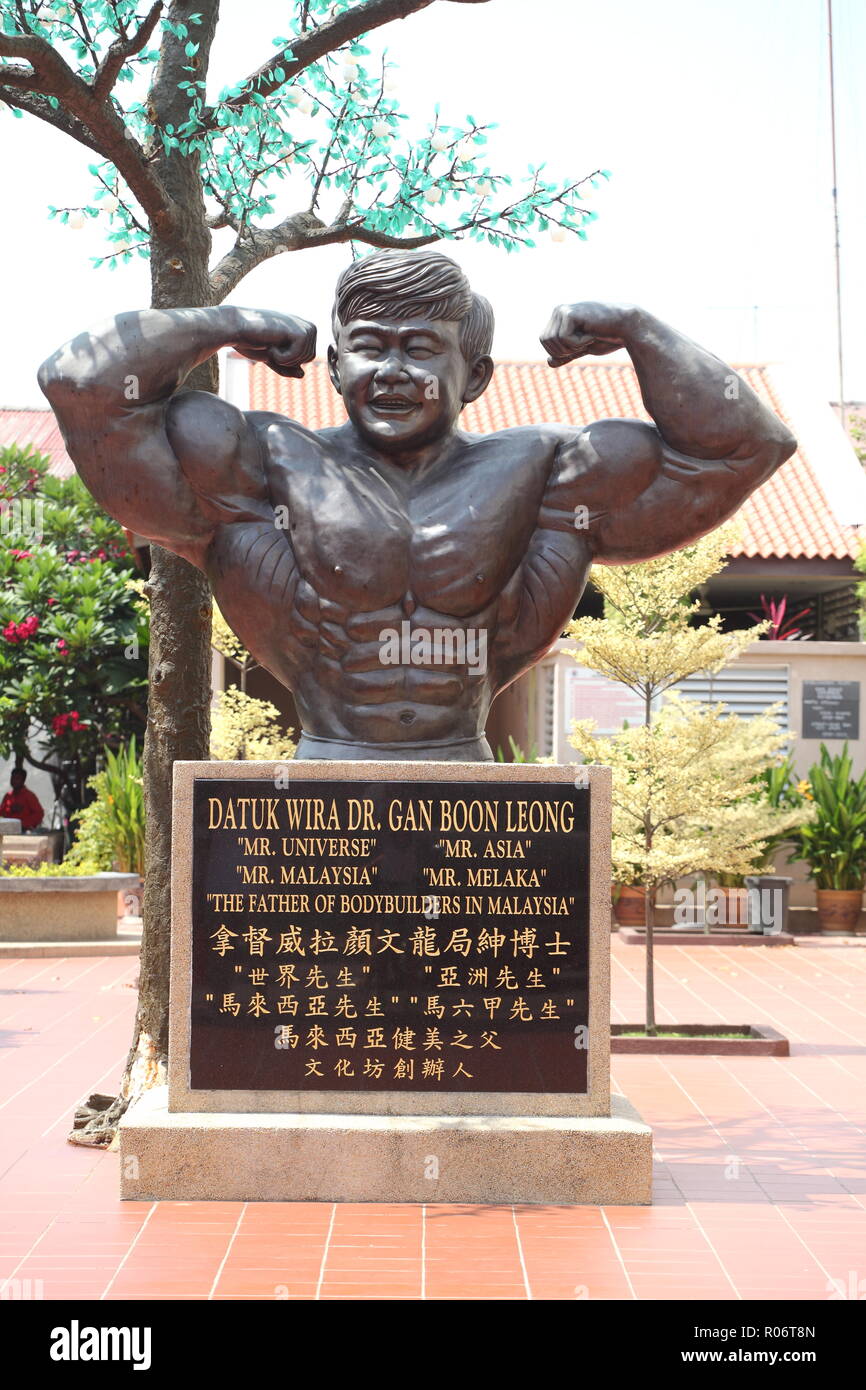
<point x="287" y="443"/>
<point x="521" y="449"/>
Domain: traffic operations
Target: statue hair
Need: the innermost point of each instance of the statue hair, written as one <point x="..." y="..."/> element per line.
<point x="414" y="284"/>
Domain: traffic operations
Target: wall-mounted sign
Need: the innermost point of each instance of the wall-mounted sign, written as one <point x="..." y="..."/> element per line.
<point x="831" y="709"/>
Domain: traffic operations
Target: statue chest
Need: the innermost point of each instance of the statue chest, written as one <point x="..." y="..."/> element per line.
<point x="363" y="544"/>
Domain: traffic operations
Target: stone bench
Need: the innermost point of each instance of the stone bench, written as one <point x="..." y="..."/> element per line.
<point x="61" y="908"/>
<point x="8" y="826"/>
<point x="30" y="850"/>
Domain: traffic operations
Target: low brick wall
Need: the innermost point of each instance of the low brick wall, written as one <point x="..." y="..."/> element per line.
<point x="62" y="909"/>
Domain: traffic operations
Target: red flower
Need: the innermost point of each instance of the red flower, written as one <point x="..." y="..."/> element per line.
<point x="61" y="646"/>
<point x="19" y="632"/>
<point x="68" y="723"/>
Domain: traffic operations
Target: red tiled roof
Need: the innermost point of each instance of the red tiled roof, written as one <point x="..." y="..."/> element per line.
<point x="788" y="517"/>
<point x="39" y="428"/>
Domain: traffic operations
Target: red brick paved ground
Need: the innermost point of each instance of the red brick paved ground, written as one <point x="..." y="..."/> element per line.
<point x="760" y="1177"/>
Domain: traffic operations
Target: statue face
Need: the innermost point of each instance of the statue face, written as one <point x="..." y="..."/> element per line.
<point x="403" y="383"/>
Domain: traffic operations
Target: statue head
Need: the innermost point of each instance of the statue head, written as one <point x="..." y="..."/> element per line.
<point x="411" y="346"/>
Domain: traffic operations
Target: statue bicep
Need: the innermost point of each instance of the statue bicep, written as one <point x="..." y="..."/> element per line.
<point x="215" y="447"/>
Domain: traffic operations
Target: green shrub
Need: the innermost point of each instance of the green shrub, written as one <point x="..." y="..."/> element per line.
<point x="110" y="830"/>
<point x="833" y="844"/>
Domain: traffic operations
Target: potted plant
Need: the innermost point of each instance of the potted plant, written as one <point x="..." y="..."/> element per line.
<point x="768" y="892"/>
<point x="833" y="844"/>
<point x="627" y="896"/>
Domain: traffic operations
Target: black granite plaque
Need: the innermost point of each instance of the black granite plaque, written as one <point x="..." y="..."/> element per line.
<point x="831" y="709"/>
<point x="381" y="936"/>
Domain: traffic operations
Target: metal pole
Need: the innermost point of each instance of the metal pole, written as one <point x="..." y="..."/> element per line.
<point x="842" y="411"/>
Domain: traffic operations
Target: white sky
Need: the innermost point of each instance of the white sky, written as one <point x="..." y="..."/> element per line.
<point x="713" y="116"/>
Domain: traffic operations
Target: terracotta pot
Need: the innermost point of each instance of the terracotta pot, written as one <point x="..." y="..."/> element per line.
<point x="839" y="909"/>
<point x="629" y="905"/>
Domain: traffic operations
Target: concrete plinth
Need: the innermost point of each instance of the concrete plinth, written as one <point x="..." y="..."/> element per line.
<point x="57" y="908"/>
<point x="181" y="1156"/>
<point x="570" y="1144"/>
<point x="8" y="826"/>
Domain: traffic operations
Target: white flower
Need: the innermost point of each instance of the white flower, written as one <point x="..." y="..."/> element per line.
<point x="433" y="195"/>
<point x="300" y="100"/>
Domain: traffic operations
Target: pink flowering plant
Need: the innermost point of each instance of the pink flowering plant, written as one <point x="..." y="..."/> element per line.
<point x="73" y="637"/>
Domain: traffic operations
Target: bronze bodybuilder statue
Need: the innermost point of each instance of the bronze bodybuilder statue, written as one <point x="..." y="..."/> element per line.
<point x="320" y="545"/>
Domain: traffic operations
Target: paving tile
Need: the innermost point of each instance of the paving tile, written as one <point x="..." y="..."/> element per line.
<point x="760" y="1173"/>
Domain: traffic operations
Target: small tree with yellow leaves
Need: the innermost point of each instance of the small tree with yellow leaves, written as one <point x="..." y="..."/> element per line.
<point x="242" y="726"/>
<point x="685" y="798"/>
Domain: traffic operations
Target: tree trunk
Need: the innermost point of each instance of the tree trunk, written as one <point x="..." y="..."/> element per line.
<point x="651" y="890"/>
<point x="649" y="923"/>
<point x="178" y="721"/>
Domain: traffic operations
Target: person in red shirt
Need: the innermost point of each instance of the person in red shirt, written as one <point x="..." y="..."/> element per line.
<point x="21" y="804"/>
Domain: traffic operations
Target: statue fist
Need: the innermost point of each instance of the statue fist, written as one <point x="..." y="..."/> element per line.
<point x="280" y="340"/>
<point x="587" y="329"/>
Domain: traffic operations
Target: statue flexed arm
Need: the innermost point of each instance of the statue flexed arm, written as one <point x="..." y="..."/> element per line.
<point x="168" y="464"/>
<point x="650" y="488"/>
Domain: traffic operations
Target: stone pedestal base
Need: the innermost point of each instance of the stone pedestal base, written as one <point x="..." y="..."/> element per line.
<point x="373" y="1158"/>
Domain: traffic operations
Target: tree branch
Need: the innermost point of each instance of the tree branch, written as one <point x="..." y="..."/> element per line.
<point x="356" y="231"/>
<point x="46" y="62"/>
<point x="299" y="232"/>
<point x="316" y="43"/>
<point x="35" y="105"/>
<point x="20" y="78"/>
<point x="120" y="50"/>
<point x="103" y="128"/>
